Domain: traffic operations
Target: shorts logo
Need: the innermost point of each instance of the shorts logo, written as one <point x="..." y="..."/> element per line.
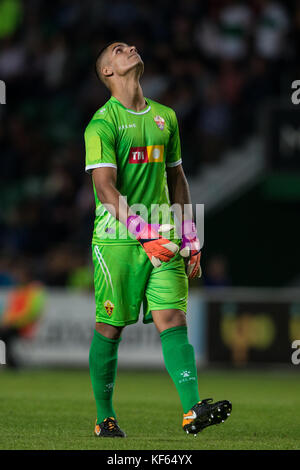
<point x="160" y="122"/>
<point x="109" y="306"/>
<point x="149" y="154"/>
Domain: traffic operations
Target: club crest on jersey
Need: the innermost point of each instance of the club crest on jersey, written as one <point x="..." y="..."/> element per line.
<point x="160" y="122"/>
<point x="109" y="306"/>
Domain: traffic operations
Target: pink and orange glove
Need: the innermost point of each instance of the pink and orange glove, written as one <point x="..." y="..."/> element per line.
<point x="158" y="249"/>
<point x="190" y="248"/>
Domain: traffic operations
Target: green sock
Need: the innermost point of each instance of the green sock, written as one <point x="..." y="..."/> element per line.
<point x="103" y="359"/>
<point x="180" y="362"/>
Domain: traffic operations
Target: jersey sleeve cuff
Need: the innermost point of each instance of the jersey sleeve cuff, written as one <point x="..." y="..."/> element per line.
<point x="172" y="164"/>
<point x="89" y="168"/>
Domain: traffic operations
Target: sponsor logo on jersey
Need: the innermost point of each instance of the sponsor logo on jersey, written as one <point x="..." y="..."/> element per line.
<point x="109" y="306"/>
<point x="149" y="154"/>
<point x="160" y="122"/>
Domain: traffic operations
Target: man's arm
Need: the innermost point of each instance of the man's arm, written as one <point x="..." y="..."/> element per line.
<point x="157" y="248"/>
<point x="105" y="179"/>
<point x="180" y="194"/>
<point x="179" y="190"/>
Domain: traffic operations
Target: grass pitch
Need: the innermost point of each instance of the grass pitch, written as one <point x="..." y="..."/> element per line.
<point x="56" y="410"/>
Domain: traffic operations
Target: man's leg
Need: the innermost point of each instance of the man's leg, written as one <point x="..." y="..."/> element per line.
<point x="103" y="360"/>
<point x="166" y="296"/>
<point x="119" y="291"/>
<point x="180" y="362"/>
<point x="178" y="354"/>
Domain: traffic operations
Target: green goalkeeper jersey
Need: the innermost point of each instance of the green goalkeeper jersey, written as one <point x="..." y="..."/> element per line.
<point x="139" y="145"/>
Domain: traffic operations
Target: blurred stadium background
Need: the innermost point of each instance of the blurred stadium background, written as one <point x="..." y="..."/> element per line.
<point x="226" y="67"/>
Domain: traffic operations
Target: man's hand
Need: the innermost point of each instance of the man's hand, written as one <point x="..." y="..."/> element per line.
<point x="158" y="249"/>
<point x="190" y="248"/>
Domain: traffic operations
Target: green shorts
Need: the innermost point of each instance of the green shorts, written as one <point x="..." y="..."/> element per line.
<point x="124" y="278"/>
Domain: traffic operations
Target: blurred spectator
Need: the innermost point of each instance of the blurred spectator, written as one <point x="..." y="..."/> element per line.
<point x="231" y="82"/>
<point x="257" y="89"/>
<point x="235" y="27"/>
<point x="216" y="272"/>
<point x="10" y="17"/>
<point x="7" y="278"/>
<point x="182" y="33"/>
<point x="295" y="32"/>
<point x="207" y="33"/>
<point x="55" y="61"/>
<point x="23" y="308"/>
<point x="12" y="59"/>
<point x="20" y="317"/>
<point x="82" y="274"/>
<point x="213" y="125"/>
<point x="271" y="30"/>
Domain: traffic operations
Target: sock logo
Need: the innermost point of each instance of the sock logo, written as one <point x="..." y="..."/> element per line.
<point x="109" y="306"/>
<point x="109" y="387"/>
<point x="186" y="376"/>
<point x="186" y="373"/>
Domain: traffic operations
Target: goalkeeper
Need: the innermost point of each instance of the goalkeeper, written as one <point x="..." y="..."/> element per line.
<point x="133" y="154"/>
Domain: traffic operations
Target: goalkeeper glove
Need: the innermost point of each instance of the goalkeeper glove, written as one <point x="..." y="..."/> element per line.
<point x="190" y="248"/>
<point x="158" y="249"/>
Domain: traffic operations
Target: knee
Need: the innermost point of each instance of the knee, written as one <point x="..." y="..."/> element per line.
<point x="109" y="331"/>
<point x="166" y="319"/>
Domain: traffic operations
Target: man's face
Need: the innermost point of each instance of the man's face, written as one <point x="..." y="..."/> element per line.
<point x="121" y="58"/>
